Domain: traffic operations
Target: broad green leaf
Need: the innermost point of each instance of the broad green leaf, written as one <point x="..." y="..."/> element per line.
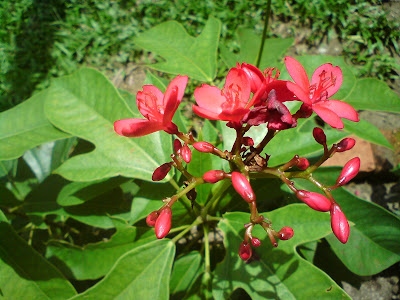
<point x="153" y="79"/>
<point x="25" y="126"/>
<point x="373" y="244"/>
<point x="367" y="131"/>
<point x="86" y="105"/>
<point x="82" y="263"/>
<point x="7" y="198"/>
<point x="373" y="94"/>
<point x="249" y="43"/>
<point x="290" y="142"/>
<point x="42" y="201"/>
<point x="142" y="273"/>
<point x="185" y="270"/>
<point x="183" y="54"/>
<point x="279" y="273"/>
<point x="24" y="273"/>
<point x="79" y="192"/>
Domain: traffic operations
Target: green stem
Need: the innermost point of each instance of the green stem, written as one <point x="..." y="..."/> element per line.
<point x="187" y="229"/>
<point x="207" y="268"/>
<point x="184" y="200"/>
<point x="217" y="195"/>
<point x="264" y="34"/>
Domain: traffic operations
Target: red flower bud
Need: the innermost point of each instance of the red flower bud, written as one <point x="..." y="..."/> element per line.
<point x="314" y="200"/>
<point x="303" y="163"/>
<point x="248" y="141"/>
<point x="177" y="146"/>
<point x="339" y="224"/>
<point x="152" y="218"/>
<point x="345" y="144"/>
<point x="186" y="153"/>
<point x="319" y="135"/>
<point x="203" y="147"/>
<point x="163" y="223"/>
<point x="255" y="242"/>
<point x="213" y="176"/>
<point x="350" y="170"/>
<point x="245" y="251"/>
<point x="285" y="233"/>
<point x="254" y="75"/>
<point x="243" y="187"/>
<point x="161" y="172"/>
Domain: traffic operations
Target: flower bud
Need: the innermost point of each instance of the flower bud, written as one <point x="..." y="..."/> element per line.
<point x="345" y="144"/>
<point x="319" y="135"/>
<point x="163" y="223"/>
<point x="303" y="163"/>
<point x="161" y="172"/>
<point x="186" y="153"/>
<point x="256" y="242"/>
<point x="203" y="147"/>
<point x="339" y="224"/>
<point x="314" y="200"/>
<point x="213" y="176"/>
<point x="285" y="233"/>
<point x="152" y="218"/>
<point x="350" y="170"/>
<point x="243" y="187"/>
<point x="177" y="146"/>
<point x="248" y="141"/>
<point x="254" y="75"/>
<point x="245" y="251"/>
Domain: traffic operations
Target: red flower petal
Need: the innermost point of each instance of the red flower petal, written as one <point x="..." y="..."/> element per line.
<point x="136" y="127"/>
<point x="328" y="115"/>
<point x="148" y="100"/>
<point x="238" y="78"/>
<point x="302" y="94"/>
<point x="334" y="73"/>
<point x="210" y="98"/>
<point x="173" y="96"/>
<point x="342" y="109"/>
<point x="297" y="72"/>
<point x="205" y="113"/>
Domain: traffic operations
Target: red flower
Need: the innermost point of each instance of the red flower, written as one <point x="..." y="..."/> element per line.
<point x="340" y="225"/>
<point x="325" y="82"/>
<point x="156" y="107"/>
<point x="229" y="104"/>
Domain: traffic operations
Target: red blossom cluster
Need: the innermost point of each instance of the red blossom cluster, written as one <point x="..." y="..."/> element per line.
<point x="249" y="98"/>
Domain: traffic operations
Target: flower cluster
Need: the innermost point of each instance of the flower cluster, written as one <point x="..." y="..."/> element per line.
<point x="249" y="98"/>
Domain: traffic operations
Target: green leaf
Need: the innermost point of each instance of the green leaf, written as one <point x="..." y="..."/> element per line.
<point x="185" y="271"/>
<point x="83" y="263"/>
<point x="278" y="273"/>
<point x="293" y="141"/>
<point x="24" y="273"/>
<point x="142" y="273"/>
<point x="25" y="126"/>
<point x="153" y="79"/>
<point x="373" y="244"/>
<point x="366" y="131"/>
<point x="183" y="54"/>
<point x="79" y="192"/>
<point x="373" y="94"/>
<point x="249" y="43"/>
<point x="86" y="105"/>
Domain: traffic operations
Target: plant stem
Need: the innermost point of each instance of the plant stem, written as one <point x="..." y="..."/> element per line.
<point x="264" y="34"/>
<point x="187" y="229"/>
<point x="207" y="261"/>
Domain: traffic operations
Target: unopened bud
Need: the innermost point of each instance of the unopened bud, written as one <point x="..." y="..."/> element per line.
<point x="152" y="218"/>
<point x="248" y="141"/>
<point x="203" y="147"/>
<point x="314" y="200"/>
<point x="243" y="187"/>
<point x="177" y="146"/>
<point x="245" y="251"/>
<point x="186" y="153"/>
<point x="345" y="144"/>
<point x="256" y="242"/>
<point x="350" y="170"/>
<point x="161" y="172"/>
<point x="213" y="176"/>
<point x="285" y="233"/>
<point x="319" y="135"/>
<point x="303" y="163"/>
<point x="163" y="223"/>
<point x="340" y="225"/>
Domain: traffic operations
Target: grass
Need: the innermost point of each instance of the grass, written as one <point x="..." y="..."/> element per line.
<point x="40" y="39"/>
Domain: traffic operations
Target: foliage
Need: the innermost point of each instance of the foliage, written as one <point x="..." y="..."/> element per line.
<point x="72" y="210"/>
